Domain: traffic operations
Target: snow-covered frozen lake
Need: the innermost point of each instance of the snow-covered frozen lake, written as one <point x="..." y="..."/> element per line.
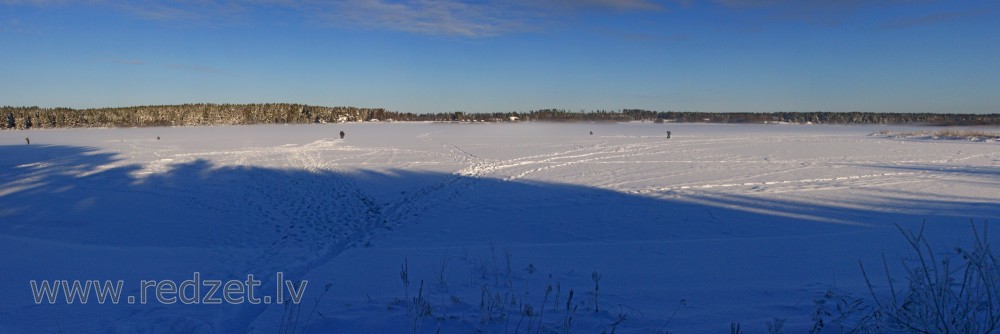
<point x="718" y="224"/>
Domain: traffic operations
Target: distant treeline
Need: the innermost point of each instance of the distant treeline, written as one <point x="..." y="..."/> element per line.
<point x="181" y="115"/>
<point x="284" y="113"/>
<point x="626" y="115"/>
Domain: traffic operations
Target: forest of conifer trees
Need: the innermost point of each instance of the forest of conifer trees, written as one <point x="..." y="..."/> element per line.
<point x="284" y="113"/>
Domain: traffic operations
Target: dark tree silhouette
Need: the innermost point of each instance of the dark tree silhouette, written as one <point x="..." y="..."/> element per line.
<point x="281" y="113"/>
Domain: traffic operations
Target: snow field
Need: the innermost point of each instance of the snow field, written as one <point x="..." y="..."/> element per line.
<point x="720" y="223"/>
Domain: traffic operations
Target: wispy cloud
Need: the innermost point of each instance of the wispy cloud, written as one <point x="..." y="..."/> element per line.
<point x="12" y="25"/>
<point x="823" y="12"/>
<point x="932" y="19"/>
<point x="836" y="12"/>
<point x="466" y="18"/>
<point x="654" y="37"/>
<point x="170" y="10"/>
<point x="424" y="17"/>
<point x="127" y="61"/>
<point x="201" y="11"/>
<point x="472" y="18"/>
<point x="33" y="2"/>
<point x="199" y="69"/>
<point x="618" y="5"/>
<point x="428" y="17"/>
<point x="159" y="11"/>
<point x="641" y="36"/>
<point x="180" y="67"/>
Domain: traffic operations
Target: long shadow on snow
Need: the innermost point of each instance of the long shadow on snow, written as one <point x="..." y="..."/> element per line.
<point x="989" y="173"/>
<point x="232" y="221"/>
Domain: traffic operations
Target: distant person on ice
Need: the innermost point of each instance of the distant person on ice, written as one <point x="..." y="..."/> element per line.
<point x="27" y="140"/>
<point x="591" y="133"/>
<point x="341" y="134"/>
<point x="668" y="134"/>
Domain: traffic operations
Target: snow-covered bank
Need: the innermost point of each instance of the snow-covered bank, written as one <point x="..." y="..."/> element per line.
<point x="740" y="222"/>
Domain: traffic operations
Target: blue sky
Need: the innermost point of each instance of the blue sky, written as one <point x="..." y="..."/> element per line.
<point x="516" y="55"/>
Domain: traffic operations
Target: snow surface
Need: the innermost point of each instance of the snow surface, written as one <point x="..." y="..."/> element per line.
<point x="719" y="224"/>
